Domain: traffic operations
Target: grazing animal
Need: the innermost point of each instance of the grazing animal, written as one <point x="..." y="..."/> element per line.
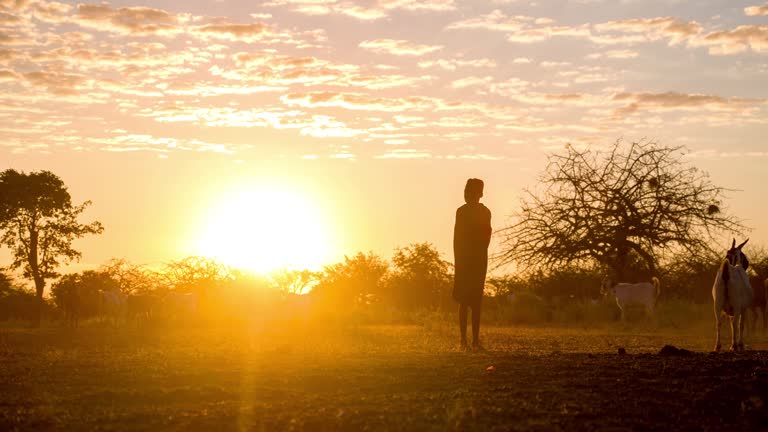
<point x="112" y="305"/>
<point x="732" y="295"/>
<point x="759" y="287"/>
<point x="71" y="304"/>
<point x="644" y="293"/>
<point x="181" y="303"/>
<point x="140" y="307"/>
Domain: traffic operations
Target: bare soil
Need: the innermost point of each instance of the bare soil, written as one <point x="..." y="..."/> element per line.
<point x="376" y="378"/>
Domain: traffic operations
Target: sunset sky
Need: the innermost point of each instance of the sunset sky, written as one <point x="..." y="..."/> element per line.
<point x="241" y="128"/>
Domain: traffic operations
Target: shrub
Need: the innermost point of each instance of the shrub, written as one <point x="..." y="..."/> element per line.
<point x="584" y="312"/>
<point x="525" y="308"/>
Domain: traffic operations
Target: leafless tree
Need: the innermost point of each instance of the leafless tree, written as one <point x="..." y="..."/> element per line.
<point x="194" y="274"/>
<point x="296" y="282"/>
<point x="618" y="207"/>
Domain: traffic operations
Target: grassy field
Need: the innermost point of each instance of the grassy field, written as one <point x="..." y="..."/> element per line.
<point x="376" y="378"/>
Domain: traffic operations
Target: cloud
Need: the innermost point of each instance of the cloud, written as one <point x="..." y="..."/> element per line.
<point x="614" y="54"/>
<point x="398" y="47"/>
<point x="378" y="10"/>
<point x="674" y="29"/>
<point x="257" y="33"/>
<point x="671" y="101"/>
<point x="13" y="39"/>
<point x="473" y="81"/>
<point x="58" y="83"/>
<point x="453" y="64"/>
<point x="405" y="154"/>
<point x="356" y="101"/>
<point x="52" y="12"/>
<point x="14" y="5"/>
<point x="735" y="41"/>
<point x="7" y="19"/>
<point x="494" y="21"/>
<point x="362" y="13"/>
<point x="146" y="142"/>
<point x="8" y="75"/>
<point x="377" y="82"/>
<point x="520" y="28"/>
<point x="757" y="10"/>
<point x="10" y="55"/>
<point x="128" y="20"/>
<point x="460" y="122"/>
<point x="314" y="125"/>
<point x="269" y="68"/>
<point x="253" y="32"/>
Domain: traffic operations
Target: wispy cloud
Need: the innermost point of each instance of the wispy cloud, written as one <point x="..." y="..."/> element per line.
<point x="369" y="12"/>
<point x="761" y="10"/>
<point x="398" y="47"/>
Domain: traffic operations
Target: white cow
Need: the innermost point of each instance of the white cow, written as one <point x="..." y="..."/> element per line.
<point x="112" y="306"/>
<point x="732" y="295"/>
<point x="644" y="293"/>
<point x="181" y="303"/>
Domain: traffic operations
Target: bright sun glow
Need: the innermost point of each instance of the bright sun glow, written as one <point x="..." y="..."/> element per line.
<point x="264" y="229"/>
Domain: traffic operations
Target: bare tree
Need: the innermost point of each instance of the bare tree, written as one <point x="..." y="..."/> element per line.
<point x="295" y="282"/>
<point x="195" y="273"/>
<point x="132" y="278"/>
<point x="620" y="208"/>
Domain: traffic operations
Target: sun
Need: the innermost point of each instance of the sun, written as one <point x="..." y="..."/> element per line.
<point x="263" y="229"/>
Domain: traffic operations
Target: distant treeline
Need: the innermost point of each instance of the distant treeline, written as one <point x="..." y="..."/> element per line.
<point x="365" y="287"/>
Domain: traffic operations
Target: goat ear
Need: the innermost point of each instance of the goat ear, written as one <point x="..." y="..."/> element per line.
<point x="740" y="246"/>
<point x="733" y="245"/>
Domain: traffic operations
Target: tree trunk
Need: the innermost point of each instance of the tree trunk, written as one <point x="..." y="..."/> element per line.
<point x="621" y="266"/>
<point x="39" y="289"/>
<point x="35" y="268"/>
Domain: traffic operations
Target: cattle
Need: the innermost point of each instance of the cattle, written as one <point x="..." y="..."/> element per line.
<point x="759" y="287"/>
<point x="71" y="302"/>
<point x="644" y="293"/>
<point x="177" y="303"/>
<point x="140" y="308"/>
<point x="732" y="295"/>
<point x="112" y="306"/>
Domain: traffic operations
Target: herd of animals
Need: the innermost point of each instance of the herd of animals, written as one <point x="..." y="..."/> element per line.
<point x="734" y="295"/>
<point x="114" y="306"/>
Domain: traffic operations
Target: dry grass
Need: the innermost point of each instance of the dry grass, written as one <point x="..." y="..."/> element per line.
<point x="359" y="378"/>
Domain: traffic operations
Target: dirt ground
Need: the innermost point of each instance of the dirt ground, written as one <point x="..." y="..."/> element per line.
<point x="376" y="378"/>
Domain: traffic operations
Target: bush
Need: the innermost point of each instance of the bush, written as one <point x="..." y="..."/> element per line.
<point x="585" y="312"/>
<point x="525" y="308"/>
<point x="17" y="303"/>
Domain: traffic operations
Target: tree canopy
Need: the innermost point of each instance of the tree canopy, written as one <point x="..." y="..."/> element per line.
<point x="618" y="207"/>
<point x="357" y="280"/>
<point x="38" y="223"/>
<point x="420" y="278"/>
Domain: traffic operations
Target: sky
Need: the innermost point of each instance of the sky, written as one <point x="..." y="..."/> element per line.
<point x="261" y="131"/>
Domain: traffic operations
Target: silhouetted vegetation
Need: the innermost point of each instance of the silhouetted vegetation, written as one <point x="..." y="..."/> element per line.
<point x="636" y="209"/>
<point x="619" y="208"/>
<point x="413" y="287"/>
<point x="38" y="223"/>
<point x="16" y="303"/>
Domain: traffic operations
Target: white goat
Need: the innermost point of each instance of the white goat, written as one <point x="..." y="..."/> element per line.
<point x="732" y="295"/>
<point x="645" y="293"/>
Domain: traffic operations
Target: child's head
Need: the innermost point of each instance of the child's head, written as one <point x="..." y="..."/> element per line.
<point x="473" y="190"/>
